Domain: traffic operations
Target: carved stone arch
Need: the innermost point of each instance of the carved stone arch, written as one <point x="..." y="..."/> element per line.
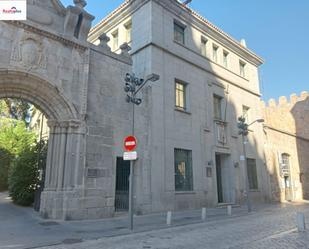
<point x="65" y="161"/>
<point x="53" y="104"/>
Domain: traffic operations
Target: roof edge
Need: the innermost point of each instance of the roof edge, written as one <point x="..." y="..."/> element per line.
<point x="259" y="60"/>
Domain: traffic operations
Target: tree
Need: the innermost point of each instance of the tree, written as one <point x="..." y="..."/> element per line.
<point x="24" y="175"/>
<point x="14" y="138"/>
<point x="5" y="160"/>
<point x="15" y="108"/>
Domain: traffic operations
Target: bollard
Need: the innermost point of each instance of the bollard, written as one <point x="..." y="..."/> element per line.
<point x="203" y="213"/>
<point x="301" y="224"/>
<point x="169" y="218"/>
<point x="229" y="210"/>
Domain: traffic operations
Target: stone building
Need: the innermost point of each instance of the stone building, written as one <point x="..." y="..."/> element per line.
<point x="190" y="150"/>
<point x="38" y="124"/>
<point x="287" y="145"/>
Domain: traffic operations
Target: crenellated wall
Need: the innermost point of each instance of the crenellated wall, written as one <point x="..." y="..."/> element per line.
<point x="286" y="131"/>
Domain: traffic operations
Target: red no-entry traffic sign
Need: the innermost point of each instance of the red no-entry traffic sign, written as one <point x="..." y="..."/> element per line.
<point x="130" y="143"/>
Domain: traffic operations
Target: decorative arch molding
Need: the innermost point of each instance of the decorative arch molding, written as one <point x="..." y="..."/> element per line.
<point x="66" y="146"/>
<point x="18" y="84"/>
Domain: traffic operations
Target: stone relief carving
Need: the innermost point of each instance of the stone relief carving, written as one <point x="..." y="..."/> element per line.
<point x="29" y="53"/>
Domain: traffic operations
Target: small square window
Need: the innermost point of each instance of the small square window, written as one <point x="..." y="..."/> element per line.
<point x="245" y="113"/>
<point x="225" y="59"/>
<point x="215" y="53"/>
<point x="204" y="46"/>
<point x="242" y="69"/>
<point x="183" y="170"/>
<point x="179" y="32"/>
<point x="180" y="93"/>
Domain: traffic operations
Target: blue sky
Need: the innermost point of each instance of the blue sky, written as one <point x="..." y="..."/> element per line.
<point x="277" y="30"/>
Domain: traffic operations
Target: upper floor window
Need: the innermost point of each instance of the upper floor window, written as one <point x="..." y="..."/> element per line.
<point x="128" y="27"/>
<point x="242" y="69"/>
<point x="225" y="59"/>
<point x="179" y="32"/>
<point x="115" y="40"/>
<point x="245" y="113"/>
<point x="215" y="53"/>
<point x="180" y="93"/>
<point x="203" y="46"/>
<point x="183" y="170"/>
<point x="217" y="107"/>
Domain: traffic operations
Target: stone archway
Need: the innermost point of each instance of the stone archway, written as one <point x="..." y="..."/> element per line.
<point x="65" y="148"/>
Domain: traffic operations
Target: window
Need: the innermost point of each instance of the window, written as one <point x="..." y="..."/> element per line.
<point x="180" y="91"/>
<point x="203" y="46"/>
<point x="252" y="175"/>
<point x="183" y="170"/>
<point x="285" y="164"/>
<point x="242" y="69"/>
<point x="217" y="107"/>
<point x="215" y="53"/>
<point x="179" y="32"/>
<point x="115" y="36"/>
<point x="225" y="59"/>
<point x="128" y="28"/>
<point x="245" y="113"/>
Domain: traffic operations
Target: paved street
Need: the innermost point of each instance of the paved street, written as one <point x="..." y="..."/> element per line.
<point x="270" y="226"/>
<point x="268" y="229"/>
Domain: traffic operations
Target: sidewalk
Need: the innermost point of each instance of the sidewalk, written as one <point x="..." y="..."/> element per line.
<point x="22" y="228"/>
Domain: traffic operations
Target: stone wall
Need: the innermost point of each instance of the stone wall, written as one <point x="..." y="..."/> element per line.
<point x="47" y="61"/>
<point x="286" y="131"/>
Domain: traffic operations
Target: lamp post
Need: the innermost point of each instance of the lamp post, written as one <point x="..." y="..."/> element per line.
<point x="132" y="86"/>
<point x="243" y="131"/>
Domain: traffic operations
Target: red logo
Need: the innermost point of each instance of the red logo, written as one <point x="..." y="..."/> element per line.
<point x="13" y="10"/>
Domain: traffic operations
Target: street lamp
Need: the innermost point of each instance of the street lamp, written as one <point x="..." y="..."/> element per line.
<point x="132" y="86"/>
<point x="244" y="131"/>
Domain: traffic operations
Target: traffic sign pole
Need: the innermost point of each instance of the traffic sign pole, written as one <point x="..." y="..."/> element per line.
<point x="132" y="86"/>
<point x="131" y="189"/>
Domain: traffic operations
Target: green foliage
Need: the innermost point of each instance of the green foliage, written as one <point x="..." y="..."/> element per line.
<point x="14" y="136"/>
<point x="14" y="139"/>
<point x="14" y="108"/>
<point x="24" y="175"/>
<point x="5" y="159"/>
<point x="4" y="110"/>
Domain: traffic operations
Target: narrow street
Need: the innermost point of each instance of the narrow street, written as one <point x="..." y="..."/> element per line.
<point x="269" y="226"/>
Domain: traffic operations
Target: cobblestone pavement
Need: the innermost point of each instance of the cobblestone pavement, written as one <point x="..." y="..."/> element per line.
<point x="270" y="228"/>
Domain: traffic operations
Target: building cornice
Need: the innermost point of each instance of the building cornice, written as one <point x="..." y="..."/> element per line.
<point x="200" y="22"/>
<point x="48" y="34"/>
